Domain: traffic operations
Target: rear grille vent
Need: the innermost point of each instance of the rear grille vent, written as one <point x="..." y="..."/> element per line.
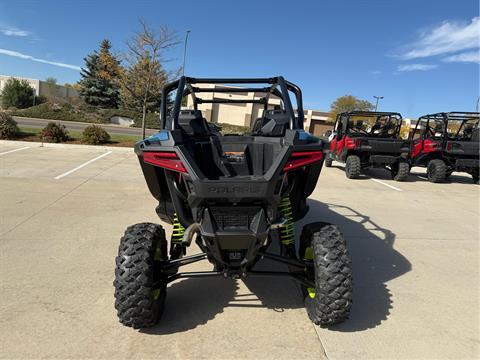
<point x="230" y="218"/>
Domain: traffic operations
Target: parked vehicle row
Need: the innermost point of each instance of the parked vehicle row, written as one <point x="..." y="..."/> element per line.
<point x="442" y="143"/>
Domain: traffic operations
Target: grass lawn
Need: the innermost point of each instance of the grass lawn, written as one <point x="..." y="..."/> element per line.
<point x="75" y="137"/>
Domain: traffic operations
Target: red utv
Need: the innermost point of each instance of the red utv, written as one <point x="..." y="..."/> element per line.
<point x="446" y="142"/>
<point x="364" y="139"/>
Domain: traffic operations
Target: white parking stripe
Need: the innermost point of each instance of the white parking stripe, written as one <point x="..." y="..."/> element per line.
<point x="387" y="185"/>
<point x="11" y="151"/>
<point x="83" y="165"/>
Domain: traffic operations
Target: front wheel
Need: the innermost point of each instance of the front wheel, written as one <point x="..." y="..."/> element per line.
<point x="140" y="289"/>
<point x="436" y="171"/>
<point x="329" y="302"/>
<point x="400" y="171"/>
<point x="353" y="167"/>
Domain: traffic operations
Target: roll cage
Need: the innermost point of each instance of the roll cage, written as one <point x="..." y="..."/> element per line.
<point x="441" y="125"/>
<point x="343" y="124"/>
<point x="187" y="86"/>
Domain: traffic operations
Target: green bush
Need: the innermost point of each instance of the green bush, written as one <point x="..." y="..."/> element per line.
<point x="17" y="93"/>
<point x="8" y="126"/>
<point x="54" y="133"/>
<point x="94" y="134"/>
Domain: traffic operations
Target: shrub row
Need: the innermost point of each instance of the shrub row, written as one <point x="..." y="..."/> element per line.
<point x="53" y="132"/>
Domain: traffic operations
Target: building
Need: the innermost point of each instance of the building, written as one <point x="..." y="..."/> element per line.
<point x="245" y="114"/>
<point x="43" y="88"/>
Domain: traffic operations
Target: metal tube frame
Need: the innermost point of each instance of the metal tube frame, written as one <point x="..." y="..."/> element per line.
<point x="184" y="88"/>
<point x="299" y="277"/>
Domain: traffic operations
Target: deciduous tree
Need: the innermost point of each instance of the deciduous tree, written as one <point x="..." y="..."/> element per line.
<point x="144" y="75"/>
<point x="349" y="103"/>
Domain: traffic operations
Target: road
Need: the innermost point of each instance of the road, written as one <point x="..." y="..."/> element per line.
<point x="79" y="126"/>
<point x="63" y="209"/>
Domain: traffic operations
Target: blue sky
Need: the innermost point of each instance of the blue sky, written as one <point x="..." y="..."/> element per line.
<point x="422" y="56"/>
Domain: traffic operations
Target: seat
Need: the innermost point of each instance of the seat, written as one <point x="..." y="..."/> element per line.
<point x="273" y="123"/>
<point x="192" y="123"/>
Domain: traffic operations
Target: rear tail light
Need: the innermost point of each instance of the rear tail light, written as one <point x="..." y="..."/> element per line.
<point x="430" y="146"/>
<point x="352" y="143"/>
<point x="301" y="158"/>
<point x="164" y="159"/>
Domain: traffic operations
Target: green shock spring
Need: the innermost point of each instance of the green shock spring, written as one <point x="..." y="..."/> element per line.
<point x="287" y="231"/>
<point x="178" y="230"/>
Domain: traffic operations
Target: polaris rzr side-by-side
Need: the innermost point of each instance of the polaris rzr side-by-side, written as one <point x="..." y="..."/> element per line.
<point x="233" y="196"/>
<point x="363" y="139"/>
<point x="447" y="142"/>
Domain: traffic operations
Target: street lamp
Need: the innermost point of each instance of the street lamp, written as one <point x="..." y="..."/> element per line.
<point x="185" y="51"/>
<point x="378" y="98"/>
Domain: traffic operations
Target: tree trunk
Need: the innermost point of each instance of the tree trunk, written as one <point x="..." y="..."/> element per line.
<point x="144" y="114"/>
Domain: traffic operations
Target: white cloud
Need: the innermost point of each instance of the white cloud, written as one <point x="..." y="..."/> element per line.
<point x="11" y="31"/>
<point x="376" y="72"/>
<point x="470" y="56"/>
<point x="416" y="67"/>
<point x="447" y="38"/>
<point x="29" y="57"/>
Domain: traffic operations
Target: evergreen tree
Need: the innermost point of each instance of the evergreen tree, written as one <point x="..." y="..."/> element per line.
<point x="17" y="93"/>
<point x="99" y="83"/>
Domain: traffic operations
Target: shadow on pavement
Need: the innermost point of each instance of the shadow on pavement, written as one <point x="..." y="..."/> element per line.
<point x="193" y="302"/>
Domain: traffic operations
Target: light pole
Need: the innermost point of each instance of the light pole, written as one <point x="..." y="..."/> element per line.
<point x="478" y="103"/>
<point x="378" y="98"/>
<point x="185" y="51"/>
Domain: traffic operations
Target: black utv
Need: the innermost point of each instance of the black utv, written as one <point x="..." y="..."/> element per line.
<point x="233" y="196"/>
<point x="364" y="139"/>
<point x="447" y="142"/>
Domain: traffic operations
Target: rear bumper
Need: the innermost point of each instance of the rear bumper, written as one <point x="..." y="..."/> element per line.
<point x="379" y="160"/>
<point x="461" y="164"/>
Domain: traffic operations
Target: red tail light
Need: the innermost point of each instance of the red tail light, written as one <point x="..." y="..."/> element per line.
<point x="429" y="146"/>
<point x="352" y="143"/>
<point x="301" y="158"/>
<point x="166" y="160"/>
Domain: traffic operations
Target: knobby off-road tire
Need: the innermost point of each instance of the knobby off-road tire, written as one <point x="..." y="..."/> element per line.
<point x="353" y="167"/>
<point x="328" y="160"/>
<point x="400" y="171"/>
<point x="330" y="301"/>
<point x="475" y="176"/>
<point x="138" y="301"/>
<point x="436" y="171"/>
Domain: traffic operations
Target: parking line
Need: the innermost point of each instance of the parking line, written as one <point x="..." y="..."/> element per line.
<point x="82" y="165"/>
<point x="11" y="151"/>
<point x="387" y="185"/>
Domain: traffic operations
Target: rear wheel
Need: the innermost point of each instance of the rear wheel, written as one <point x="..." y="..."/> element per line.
<point x="475" y="176"/>
<point x="328" y="160"/>
<point x="329" y="302"/>
<point x="436" y="171"/>
<point x="352" y="167"/>
<point x="140" y="289"/>
<point x="400" y="171"/>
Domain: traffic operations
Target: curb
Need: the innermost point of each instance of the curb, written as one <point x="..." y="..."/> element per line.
<point x="71" y="146"/>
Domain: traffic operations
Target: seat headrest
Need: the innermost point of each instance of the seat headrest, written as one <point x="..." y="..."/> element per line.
<point x="192" y="123"/>
<point x="273" y="123"/>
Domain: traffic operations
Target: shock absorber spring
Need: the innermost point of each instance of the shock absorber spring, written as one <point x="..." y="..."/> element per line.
<point x="178" y="230"/>
<point x="287" y="231"/>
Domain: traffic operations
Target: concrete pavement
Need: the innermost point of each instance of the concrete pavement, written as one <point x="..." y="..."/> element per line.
<point x="414" y="247"/>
